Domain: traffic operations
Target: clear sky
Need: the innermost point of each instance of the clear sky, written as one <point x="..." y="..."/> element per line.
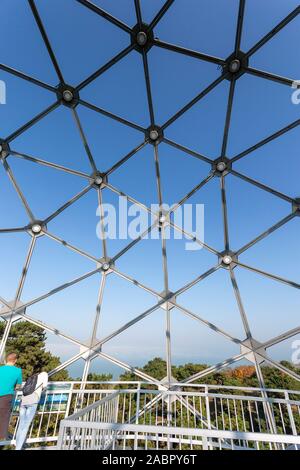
<point x="82" y="42"/>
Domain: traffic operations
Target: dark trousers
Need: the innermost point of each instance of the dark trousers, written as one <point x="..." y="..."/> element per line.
<point x="5" y="410"/>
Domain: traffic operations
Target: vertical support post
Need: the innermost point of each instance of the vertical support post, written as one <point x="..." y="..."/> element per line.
<point x="85" y="373"/>
<point x="266" y="404"/>
<point x="18" y="294"/>
<point x="88" y="360"/>
<point x="168" y="346"/>
<point x="5" y="337"/>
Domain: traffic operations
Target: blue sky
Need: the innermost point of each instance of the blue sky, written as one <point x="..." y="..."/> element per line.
<point x="82" y="42"/>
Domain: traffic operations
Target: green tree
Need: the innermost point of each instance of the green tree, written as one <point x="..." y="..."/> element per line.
<point x="92" y="377"/>
<point x="156" y="367"/>
<point x="28" y="341"/>
<point x="241" y="376"/>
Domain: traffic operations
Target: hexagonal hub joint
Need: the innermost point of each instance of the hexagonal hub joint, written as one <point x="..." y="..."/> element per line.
<point x="228" y="259"/>
<point x="235" y="65"/>
<point x="88" y="353"/>
<point x="98" y="179"/>
<point x="105" y="265"/>
<point x="67" y="95"/>
<point x="36" y="228"/>
<point x="167" y="296"/>
<point x="12" y="311"/>
<point x="164" y="386"/>
<point x="163" y="217"/>
<point x="221" y="166"/>
<point x="142" y="38"/>
<point x="296" y="206"/>
<point x="154" y="135"/>
<point x="249" y="345"/>
<point x="4" y="149"/>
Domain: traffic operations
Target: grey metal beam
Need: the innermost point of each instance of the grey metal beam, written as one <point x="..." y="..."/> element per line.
<point x="55" y="166"/>
<point x="187" y="150"/>
<point x="188" y="52"/>
<point x="84" y="141"/>
<point x="46" y="39"/>
<point x="71" y="247"/>
<point x="228" y="118"/>
<point x="264" y="234"/>
<point x="123" y="160"/>
<point x="18" y="190"/>
<point x="239" y="28"/>
<point x="106" y="113"/>
<point x="138" y="12"/>
<point x="274" y="31"/>
<point x="148" y="88"/>
<point x="195" y="100"/>
<point x="68" y="203"/>
<point x="192" y="192"/>
<point x="224" y="212"/>
<point x="87" y="81"/>
<point x="160" y="14"/>
<point x="270" y="76"/>
<point x="26" y="77"/>
<point x="262" y="186"/>
<point x="32" y="121"/>
<point x="269" y="275"/>
<point x="265" y="141"/>
<point x="107" y="16"/>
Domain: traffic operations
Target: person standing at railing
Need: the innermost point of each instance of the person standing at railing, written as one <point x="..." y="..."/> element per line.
<point x="10" y="379"/>
<point x="32" y="391"/>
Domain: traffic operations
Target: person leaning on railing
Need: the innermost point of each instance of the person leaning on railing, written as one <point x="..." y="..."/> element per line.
<point x="32" y="392"/>
<point x="10" y="380"/>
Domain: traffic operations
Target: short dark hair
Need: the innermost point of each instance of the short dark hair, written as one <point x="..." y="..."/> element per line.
<point x="11" y="357"/>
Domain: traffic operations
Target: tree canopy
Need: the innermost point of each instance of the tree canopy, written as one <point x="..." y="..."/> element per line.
<point x="241" y="376"/>
<point x="29" y="342"/>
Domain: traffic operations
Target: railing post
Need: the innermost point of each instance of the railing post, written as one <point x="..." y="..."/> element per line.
<point x="290" y="412"/>
<point x="204" y="443"/>
<point x="61" y="434"/>
<point x="93" y="440"/>
<point x="207" y="412"/>
<point x="138" y="398"/>
<point x="269" y="412"/>
<point x="117" y="401"/>
<point x="207" y="408"/>
<point x="69" y="401"/>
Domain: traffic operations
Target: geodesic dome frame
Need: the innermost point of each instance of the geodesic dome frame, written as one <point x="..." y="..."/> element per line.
<point x="142" y="38"/>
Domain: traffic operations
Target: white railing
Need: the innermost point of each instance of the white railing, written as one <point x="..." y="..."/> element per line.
<point x="85" y="438"/>
<point x="188" y="406"/>
<point x="61" y="400"/>
<point x="153" y="419"/>
<point x="100" y="436"/>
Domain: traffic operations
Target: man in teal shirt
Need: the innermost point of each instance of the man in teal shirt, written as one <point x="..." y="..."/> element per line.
<point x="10" y="378"/>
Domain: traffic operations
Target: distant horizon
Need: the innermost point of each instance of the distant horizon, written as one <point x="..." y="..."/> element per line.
<point x="76" y="369"/>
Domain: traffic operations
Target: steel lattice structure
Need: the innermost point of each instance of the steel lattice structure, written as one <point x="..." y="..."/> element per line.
<point x="141" y="38"/>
